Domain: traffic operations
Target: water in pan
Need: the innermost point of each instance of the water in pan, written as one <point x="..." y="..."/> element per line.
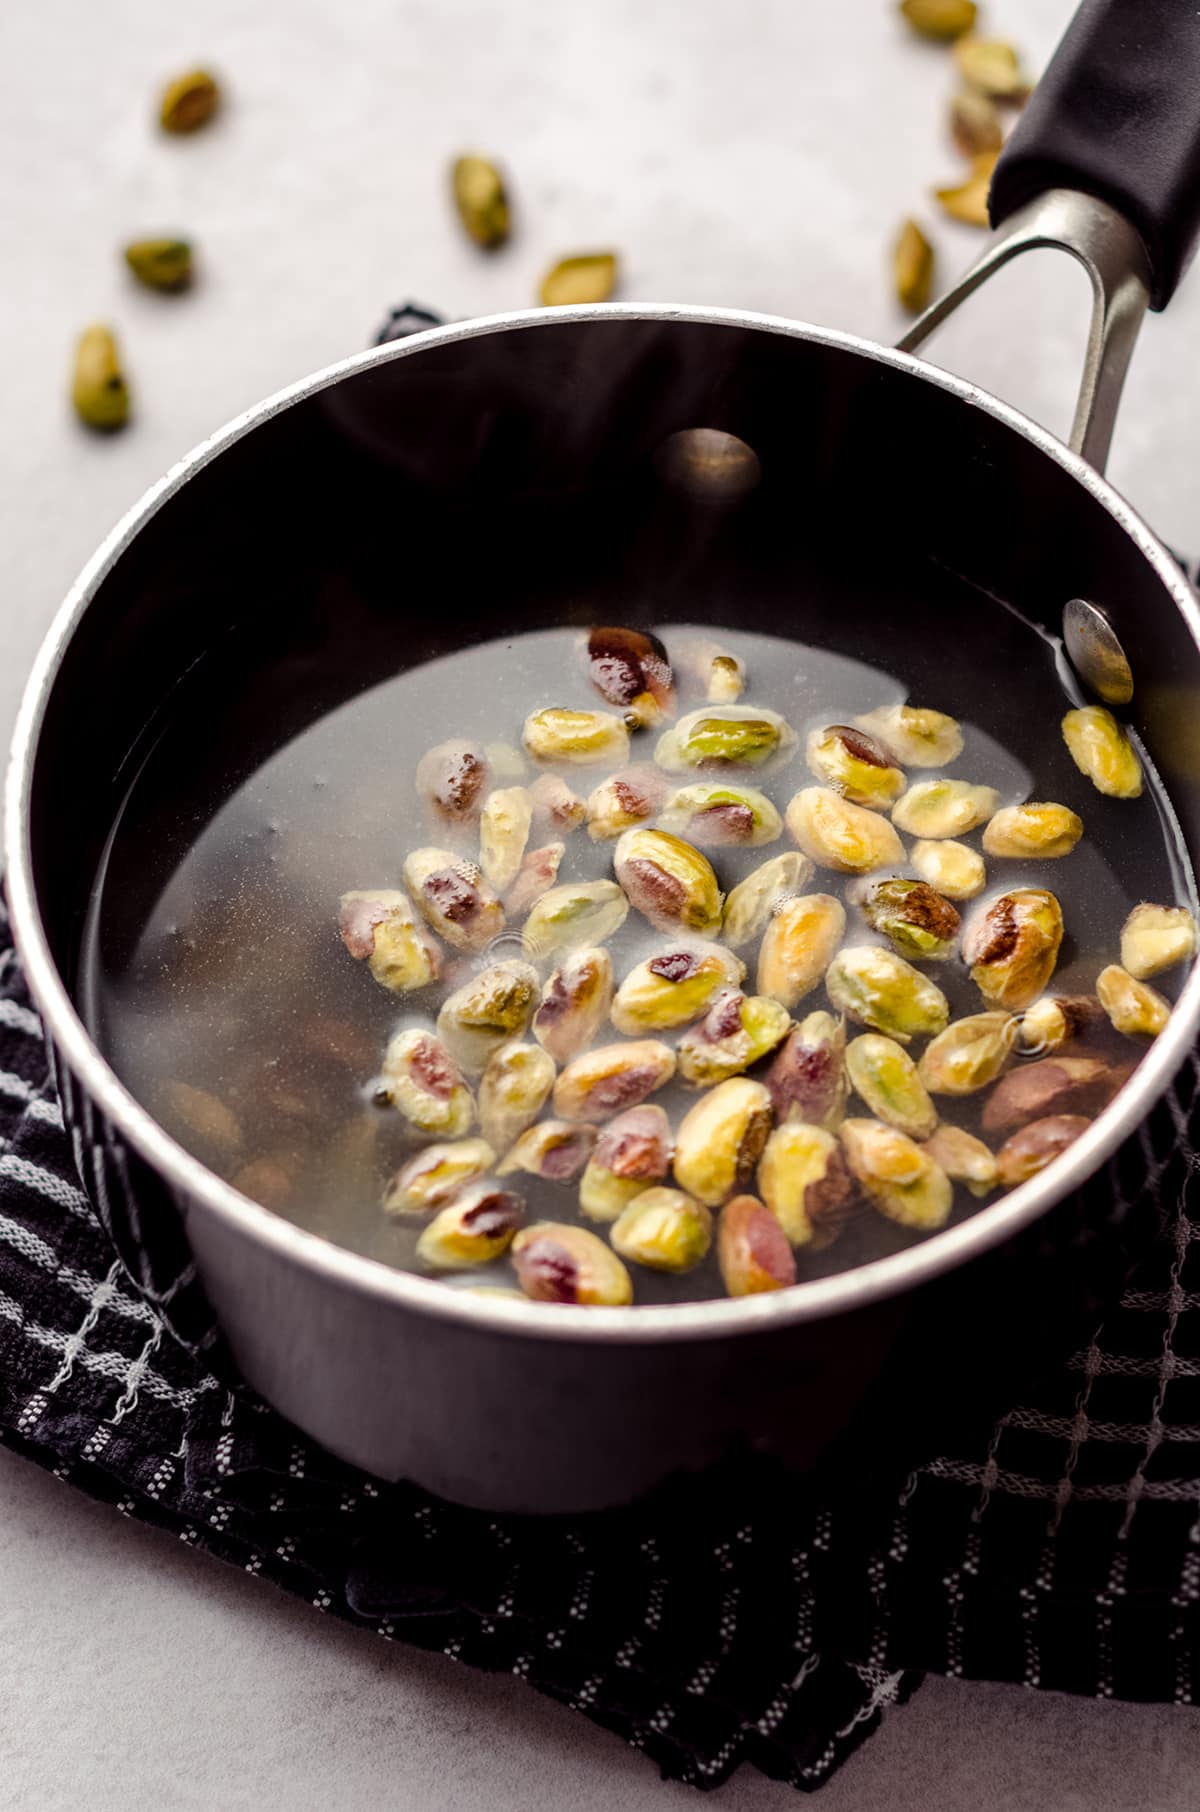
<point x="228" y="976"/>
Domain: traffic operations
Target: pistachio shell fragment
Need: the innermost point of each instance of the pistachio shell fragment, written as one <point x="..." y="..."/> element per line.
<point x="993" y="67"/>
<point x="942" y="20"/>
<point x="1037" y="1145"/>
<point x="451" y="778"/>
<point x="879" y="989"/>
<point x="164" y="264"/>
<point x="611" y="1078"/>
<point x="575" y="1003"/>
<point x="720" y="1140"/>
<point x="486" y="1012"/>
<point x="625" y="799"/>
<point x="577" y="738"/>
<point x="1133" y="1007"/>
<point x="807" y="1079"/>
<point x="969" y="1054"/>
<point x="554" y="1149"/>
<point x="803" y="1179"/>
<point x="750" y="904"/>
<point x="798" y="945"/>
<point x="964" y="1158"/>
<point x="630" y="668"/>
<point x="1012" y="946"/>
<point x="435" y="1176"/>
<point x="726" y="679"/>
<point x="713" y="814"/>
<point x="481" y="200"/>
<point x="1056" y="1085"/>
<point x="901" y="1178"/>
<point x="724" y="736"/>
<point x="630" y="1154"/>
<point x="556" y="1262"/>
<point x="1032" y="830"/>
<point x="1054" y="1019"/>
<point x="672" y="988"/>
<point x="554" y="803"/>
<point x="513" y="1090"/>
<point x="189" y="101"/>
<point x="752" y="1249"/>
<point x="475" y="1229"/>
<point x="914" y="918"/>
<point x="665" y="1230"/>
<point x="452" y="896"/>
<point x="854" y="764"/>
<point x="1100" y="749"/>
<point x="589" y="277"/>
<point x="668" y="882"/>
<point x="916" y="736"/>
<point x="380" y="926"/>
<point x="503" y="833"/>
<point x="944" y="808"/>
<point x="1154" y="938"/>
<point x="536" y="876"/>
<point x="975" y="124"/>
<point x="736" y="1031"/>
<point x="912" y="267"/>
<point x="422" y="1081"/>
<point x="837" y="834"/>
<point x="574" y="914"/>
<point x="968" y="201"/>
<point x="885" y="1077"/>
<point x="954" y="869"/>
<point x="98" y="389"/>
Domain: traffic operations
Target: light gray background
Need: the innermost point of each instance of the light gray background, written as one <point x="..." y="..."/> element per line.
<point x="756" y="154"/>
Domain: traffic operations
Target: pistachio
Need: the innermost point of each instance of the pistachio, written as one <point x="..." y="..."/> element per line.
<point x="1154" y="938"/>
<point x="270" y="1179"/>
<point x="1033" y="830"/>
<point x="720" y="1140"/>
<point x="589" y="277"/>
<point x="1101" y="749"/>
<point x="940" y="19"/>
<point x="554" y="803"/>
<point x="625" y="799"/>
<point x="913" y="266"/>
<point x="1012" y="946"/>
<point x="160" y="263"/>
<point x="803" y="1179"/>
<point x="189" y="101"/>
<point x="915" y="736"/>
<point x="954" y="869"/>
<point x="1054" y="1019"/>
<point x="1056" y="1085"/>
<point x="750" y="904"/>
<point x="665" y="1230"/>
<point x="1037" y="1145"/>
<point x="556" y="1262"/>
<point x="479" y="196"/>
<point x="489" y="1009"/>
<point x="944" y="808"/>
<point x="968" y="201"/>
<point x="422" y="1081"/>
<point x="975" y="123"/>
<point x="513" y="1090"/>
<point x="476" y="1228"/>
<point x="963" y="1157"/>
<point x="631" y="669"/>
<point x="451" y="778"/>
<point x="837" y="834"/>
<point x="630" y="1154"/>
<point x="435" y="1176"/>
<point x="554" y="1149"/>
<point x="611" y="1078"/>
<point x="725" y="736"/>
<point x="503" y="833"/>
<point x="98" y="389"/>
<point x="752" y="1249"/>
<point x="905" y="1183"/>
<point x="711" y="813"/>
<point x="535" y="877"/>
<point x="673" y="987"/>
<point x="452" y="896"/>
<point x="854" y="764"/>
<point x="912" y="915"/>
<point x="969" y="1054"/>
<point x="575" y="1003"/>
<point x="798" y="945"/>
<point x="559" y="734"/>
<point x="668" y="882"/>
<point x="886" y="1079"/>
<point x="726" y="679"/>
<point x="379" y="924"/>
<point x="1133" y="1007"/>
<point x="993" y="67"/>
<point x="879" y="989"/>
<point x="736" y="1031"/>
<point x="208" y="1121"/>
<point x="807" y="1079"/>
<point x="574" y="914"/>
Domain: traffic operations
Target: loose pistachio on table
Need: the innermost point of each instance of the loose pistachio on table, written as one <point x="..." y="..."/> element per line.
<point x="556" y="1262"/>
<point x="504" y="825"/>
<point x="632" y="1152"/>
<point x="476" y="1228"/>
<point x="673" y="987"/>
<point x="631" y="669"/>
<point x="840" y="835"/>
<point x="451" y="778"/>
<point x="554" y="1149"/>
<point x="807" y="1077"/>
<point x="798" y="945"/>
<point x="752" y="1249"/>
<point x="955" y="869"/>
<point x="969" y="1054"/>
<point x="481" y="199"/>
<point x="488" y="1010"/>
<point x="877" y="988"/>
<point x="611" y="1078"/>
<point x="885" y="1077"/>
<point x="854" y="764"/>
<point x="189" y="101"/>
<point x="963" y="1157"/>
<point x="435" y="1176"/>
<point x="163" y="264"/>
<point x="804" y="1180"/>
<point x="1036" y="1145"/>
<point x="513" y="1089"/>
<point x="536" y="876"/>
<point x="975" y="124"/>
<point x="587" y="277"/>
<point x="915" y="736"/>
<point x="750" y="904"/>
<point x="723" y="736"/>
<point x="99" y="392"/>
<point x="916" y="920"/>
<point x="575" y="738"/>
<point x="720" y="1140"/>
<point x="1100" y="749"/>
<point x="944" y="808"/>
<point x="1032" y="830"/>
<point x="574" y="914"/>
<point x="555" y="804"/>
<point x="664" y="1230"/>
<point x="1012" y="946"/>
<point x="1054" y="1020"/>
<point x="575" y="1003"/>
<point x="943" y="20"/>
<point x="669" y="882"/>
<point x="453" y="898"/>
<point x="1134" y="1007"/>
<point x="726" y="679"/>
<point x="625" y="799"/>
<point x="903" y="1181"/>
<point x="422" y="1081"/>
<point x="1052" y="1086"/>
<point x="1154" y="938"/>
<point x="913" y="264"/>
<point x="712" y="813"/>
<point x="993" y="67"/>
<point x="737" y="1031"/>
<point x="380" y="926"/>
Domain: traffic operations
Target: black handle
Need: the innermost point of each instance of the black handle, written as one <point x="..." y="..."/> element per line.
<point x="1117" y="114"/>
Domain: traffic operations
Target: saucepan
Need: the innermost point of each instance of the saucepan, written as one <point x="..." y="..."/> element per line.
<point x="483" y="478"/>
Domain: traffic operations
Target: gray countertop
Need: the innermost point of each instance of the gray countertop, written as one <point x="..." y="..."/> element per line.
<point x="757" y="155"/>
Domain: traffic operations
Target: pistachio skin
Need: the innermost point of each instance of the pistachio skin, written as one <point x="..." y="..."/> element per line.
<point x="886" y="1079"/>
<point x="1103" y="752"/>
<point x="944" y="808"/>
<point x="723" y="736"/>
<point x="804" y="1181"/>
<point x="969" y="1054"/>
<point x="1135" y="1008"/>
<point x="800" y="941"/>
<point x="901" y="1178"/>
<point x="453" y="898"/>
<point x="854" y="764"/>
<point x="750" y="904"/>
<point x="1051" y="1087"/>
<point x="474" y="1229"/>
<point x="611" y="1078"/>
<point x="720" y="1140"/>
<point x="558" y="1263"/>
<point x="423" y="1083"/>
<point x="379" y="926"/>
<point x="878" y="989"/>
<point x="964" y="1158"/>
<point x="575" y="914"/>
<point x="1154" y="938"/>
<point x="672" y="987"/>
<point x="556" y="1150"/>
<point x="486" y="1012"/>
<point x="1035" y="1146"/>
<point x="451" y="779"/>
<point x="737" y="1031"/>
<point x="513" y="1090"/>
<point x="631" y="669"/>
<point x="669" y="882"/>
<point x="559" y="735"/>
<point x="1032" y="832"/>
<point x="1012" y="945"/>
<point x="435" y="1176"/>
<point x="807" y="1078"/>
<point x="664" y="1230"/>
<point x="953" y="869"/>
<point x="535" y="877"/>
<point x="835" y="833"/>
<point x="752" y="1249"/>
<point x="915" y="736"/>
<point x="555" y="804"/>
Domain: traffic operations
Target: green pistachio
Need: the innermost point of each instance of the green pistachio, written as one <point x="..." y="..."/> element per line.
<point x="752" y="1249"/>
<point x="630" y="1154"/>
<point x="625" y="799"/>
<point x="1012" y="946"/>
<point x="476" y="1228"/>
<point x="901" y="1178"/>
<point x="379" y="924"/>
<point x="160" y="263"/>
<point x="665" y="1230"/>
<point x="1101" y="749"/>
<point x="879" y="989"/>
<point x="968" y="201"/>
<point x="422" y="1081"/>
<point x="913" y="262"/>
<point x="1133" y="1006"/>
<point x="807" y="1079"/>
<point x="560" y="735"/>
<point x="1154" y="938"/>
<point x="886" y="1079"/>
<point x="724" y="736"/>
<point x="736" y="1032"/>
<point x="480" y="198"/>
<point x="189" y="101"/>
<point x="435" y="1176"/>
<point x="915" y="736"/>
<point x="993" y="67"/>
<point x="452" y="896"/>
<point x="955" y="870"/>
<point x="556" y="1262"/>
<point x="840" y="835"/>
<point x="575" y="1003"/>
<point x="968" y="1054"/>
<point x="803" y="1179"/>
<point x="554" y="1149"/>
<point x="1033" y="830"/>
<point x="944" y="808"/>
<point x="798" y="946"/>
<point x="514" y="1088"/>
<point x="486" y="1012"/>
<point x="712" y="814"/>
<point x="98" y="388"/>
<point x="914" y="918"/>
<point x="855" y="765"/>
<point x="673" y="987"/>
<point x="942" y="20"/>
<point x="574" y="914"/>
<point x="631" y="669"/>
<point x="611" y="1078"/>
<point x="975" y="124"/>
<point x="1055" y="1085"/>
<point x="751" y="903"/>
<point x="588" y="277"/>
<point x="720" y="1140"/>
<point x="668" y="882"/>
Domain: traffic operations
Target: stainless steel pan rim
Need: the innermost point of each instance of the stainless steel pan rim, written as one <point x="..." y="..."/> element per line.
<point x="811" y="1301"/>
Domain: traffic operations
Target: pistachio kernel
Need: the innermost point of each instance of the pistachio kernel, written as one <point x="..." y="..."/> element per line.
<point x="435" y="1176"/>
<point x="481" y="200"/>
<point x="993" y="67"/>
<point x="903" y="1181"/>
<point x="513" y="1090"/>
<point x="807" y="1078"/>
<point x="611" y="1078"/>
<point x="451" y="778"/>
<point x="885" y="1077"/>
<point x="879" y="989"/>
<point x="954" y="869"/>
<point x="588" y="277"/>
<point x="556" y="1262"/>
<point x="1134" y="1008"/>
<point x="422" y="1081"/>
<point x="837" y="834"/>
<point x="99" y="392"/>
<point x="574" y="1004"/>
<point x="664" y="1230"/>
<point x="726" y="679"/>
<point x="944" y="808"/>
<point x="559" y="734"/>
<point x="209" y="1121"/>
<point x="625" y="799"/>
<point x="854" y="764"/>
<point x="1037" y="1145"/>
<point x="968" y="201"/>
<point x="631" y="1153"/>
<point x="673" y="987"/>
<point x="554" y="1149"/>
<point x="1100" y="748"/>
<point x="798" y="946"/>
<point x="189" y="101"/>
<point x="503" y="833"/>
<point x="750" y="904"/>
<point x="452" y="896"/>
<point x="1055" y="1085"/>
<point x="378" y="925"/>
<point x="1012" y="946"/>
<point x="913" y="916"/>
<point x="488" y="1010"/>
<point x="535" y="877"/>
<point x="803" y="1179"/>
<point x="1032" y="830"/>
<point x="969" y="1054"/>
<point x="713" y="814"/>
<point x="1054" y="1020"/>
<point x="913" y="267"/>
<point x="916" y="736"/>
<point x="942" y="20"/>
<point x="720" y="1140"/>
<point x="723" y="736"/>
<point x="630" y="668"/>
<point x="475" y="1229"/>
<point x="752" y="1249"/>
<point x="164" y="264"/>
<point x="574" y="914"/>
<point x="735" y="1032"/>
<point x="964" y="1158"/>
<point x="975" y="124"/>
<point x="669" y="882"/>
<point x="554" y="803"/>
<point x="1154" y="938"/>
